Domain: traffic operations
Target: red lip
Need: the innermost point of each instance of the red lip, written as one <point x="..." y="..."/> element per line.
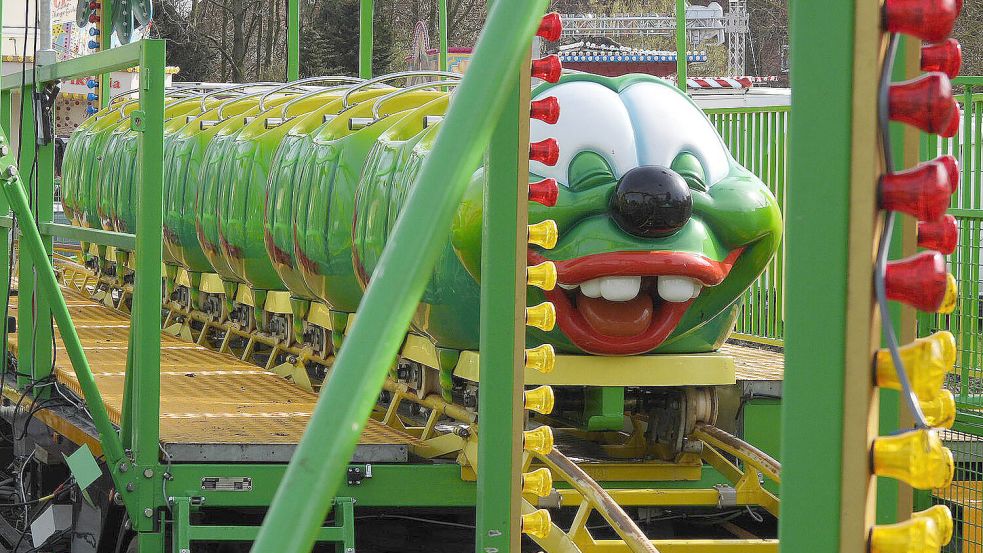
<point x="666" y="316"/>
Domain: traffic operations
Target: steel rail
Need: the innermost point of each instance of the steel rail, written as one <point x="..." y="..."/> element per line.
<point x="315" y="472"/>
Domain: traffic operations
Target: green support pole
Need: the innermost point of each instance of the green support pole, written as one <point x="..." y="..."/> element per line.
<point x="681" y="44"/>
<point x="365" y="14"/>
<point x="293" y="40"/>
<point x="145" y="320"/>
<point x="105" y="26"/>
<point x="30" y="242"/>
<point x="34" y="316"/>
<point x="503" y="331"/>
<point x="318" y="465"/>
<point x="442" y="33"/>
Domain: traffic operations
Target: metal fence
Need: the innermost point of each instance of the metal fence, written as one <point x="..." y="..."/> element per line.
<point x="757" y="139"/>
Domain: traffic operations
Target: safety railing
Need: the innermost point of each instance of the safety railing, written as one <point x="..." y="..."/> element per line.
<point x="757" y="138"/>
<point x="966" y="322"/>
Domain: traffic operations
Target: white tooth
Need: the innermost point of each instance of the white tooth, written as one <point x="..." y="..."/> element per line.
<point x="567" y="286"/>
<point x="697" y="290"/>
<point x="591" y="288"/>
<point x="678" y="289"/>
<point x="620" y="288"/>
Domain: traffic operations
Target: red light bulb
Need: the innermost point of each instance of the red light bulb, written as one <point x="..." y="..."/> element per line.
<point x="952" y="126"/>
<point x="951" y="169"/>
<point x="924" y="102"/>
<point x="945" y="56"/>
<point x="929" y="20"/>
<point x="546" y="151"/>
<point x="544" y="192"/>
<point x="93" y="5"/>
<point x="919" y="281"/>
<point x="93" y="18"/>
<point x="546" y="110"/>
<point x="922" y="191"/>
<point x="550" y="27"/>
<point x="547" y="69"/>
<point x="939" y="235"/>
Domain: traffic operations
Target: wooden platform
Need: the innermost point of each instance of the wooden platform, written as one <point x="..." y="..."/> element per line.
<point x="214" y="407"/>
<point x="756" y="364"/>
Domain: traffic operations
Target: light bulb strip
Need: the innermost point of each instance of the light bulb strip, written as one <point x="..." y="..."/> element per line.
<point x="883" y="246"/>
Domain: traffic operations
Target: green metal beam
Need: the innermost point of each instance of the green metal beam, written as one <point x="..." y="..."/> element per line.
<point x="144" y="341"/>
<point x="293" y="40"/>
<point x="116" y="59"/>
<point x="503" y="304"/>
<point x="681" y="44"/>
<point x="366" y="11"/>
<point x="418" y="238"/>
<point x="403" y="485"/>
<point x="96" y="236"/>
<point x="442" y="34"/>
<point x="822" y="35"/>
<point x="105" y="26"/>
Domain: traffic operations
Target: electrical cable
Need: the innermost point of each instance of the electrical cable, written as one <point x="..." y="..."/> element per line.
<point x="884" y="244"/>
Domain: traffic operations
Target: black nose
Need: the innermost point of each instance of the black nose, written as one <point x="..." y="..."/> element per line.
<point x="651" y="201"/>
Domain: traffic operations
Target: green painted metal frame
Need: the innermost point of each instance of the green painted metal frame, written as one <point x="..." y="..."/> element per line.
<point x="822" y="35"/>
<point x="366" y="11"/>
<point x="681" y="44"/>
<point x="442" y="34"/>
<point x="293" y="40"/>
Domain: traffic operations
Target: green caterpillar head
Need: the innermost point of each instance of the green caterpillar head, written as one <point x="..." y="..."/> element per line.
<point x="660" y="229"/>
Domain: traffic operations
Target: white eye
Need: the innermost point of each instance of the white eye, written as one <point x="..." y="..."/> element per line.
<point x="666" y="122"/>
<point x="592" y="118"/>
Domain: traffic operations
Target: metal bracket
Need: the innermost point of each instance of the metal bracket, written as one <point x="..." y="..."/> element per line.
<point x="726" y="496"/>
<point x="137" y="120"/>
<point x="357" y="473"/>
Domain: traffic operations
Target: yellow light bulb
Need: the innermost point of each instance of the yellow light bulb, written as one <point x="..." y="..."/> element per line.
<point x="943" y="520"/>
<point x="941" y="411"/>
<point x="539" y="399"/>
<point x="541" y="358"/>
<point x="538" y="441"/>
<point x="538" y="482"/>
<point x="916" y="457"/>
<point x="542" y="275"/>
<point x="926" y="360"/>
<point x="917" y="535"/>
<point x="542" y="316"/>
<point x="544" y="234"/>
<point x="537" y="524"/>
<point x="951" y="295"/>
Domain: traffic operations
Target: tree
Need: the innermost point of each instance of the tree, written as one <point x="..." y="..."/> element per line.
<point x="329" y="44"/>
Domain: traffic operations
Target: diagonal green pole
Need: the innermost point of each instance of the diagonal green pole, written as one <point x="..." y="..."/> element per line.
<point x="681" y="44"/>
<point x="318" y="465"/>
<point x="30" y="240"/>
<point x="365" y="14"/>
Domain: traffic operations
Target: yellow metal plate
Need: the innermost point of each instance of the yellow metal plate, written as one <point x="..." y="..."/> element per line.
<point x="205" y="397"/>
<point x="698" y="369"/>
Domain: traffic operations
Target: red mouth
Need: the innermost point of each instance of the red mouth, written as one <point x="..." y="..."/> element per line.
<point x="635" y="326"/>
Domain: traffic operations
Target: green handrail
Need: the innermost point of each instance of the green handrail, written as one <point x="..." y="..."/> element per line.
<point x="30" y="239"/>
<point x="317" y="467"/>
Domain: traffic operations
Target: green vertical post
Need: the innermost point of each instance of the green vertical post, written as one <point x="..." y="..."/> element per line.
<point x="681" y="44"/>
<point x="105" y="26"/>
<point x="293" y="40"/>
<point x="318" y="465"/>
<point x="145" y="320"/>
<point x="34" y="315"/>
<point x="503" y="331"/>
<point x="817" y="222"/>
<point x="442" y="34"/>
<point x="366" y="11"/>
